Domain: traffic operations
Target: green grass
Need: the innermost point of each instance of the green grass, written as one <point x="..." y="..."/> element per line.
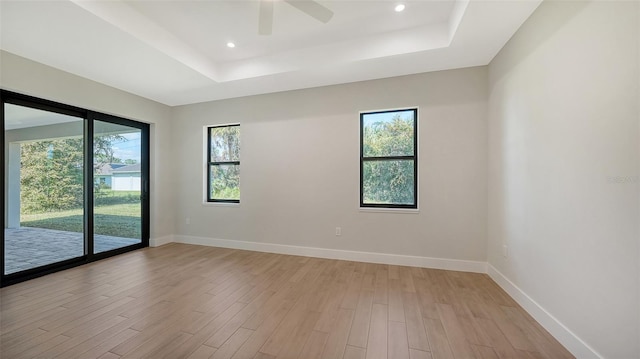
<point x="106" y="197"/>
<point x="119" y="220"/>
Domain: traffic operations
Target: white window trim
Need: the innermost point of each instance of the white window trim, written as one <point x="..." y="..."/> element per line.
<point x="389" y="210"/>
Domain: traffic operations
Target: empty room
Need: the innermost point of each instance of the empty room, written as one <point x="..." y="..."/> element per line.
<point x="320" y="179"/>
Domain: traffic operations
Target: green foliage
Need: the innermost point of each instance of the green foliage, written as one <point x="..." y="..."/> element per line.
<point x="225" y="182"/>
<point x="107" y="197"/>
<point x="51" y="175"/>
<point x="388" y="138"/>
<point x="388" y="181"/>
<point x="226" y="193"/>
<point x="101" y="187"/>
<point x="225" y="143"/>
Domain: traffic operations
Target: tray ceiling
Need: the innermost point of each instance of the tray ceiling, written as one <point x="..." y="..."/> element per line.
<point x="175" y="52"/>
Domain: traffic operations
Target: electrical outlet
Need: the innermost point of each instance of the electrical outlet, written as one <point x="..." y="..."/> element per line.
<point x="187" y="220"/>
<point x="338" y="231"/>
<point x="505" y="251"/>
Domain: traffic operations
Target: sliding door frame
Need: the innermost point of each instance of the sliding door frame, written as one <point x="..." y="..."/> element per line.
<point x="88" y="118"/>
<point x="144" y="186"/>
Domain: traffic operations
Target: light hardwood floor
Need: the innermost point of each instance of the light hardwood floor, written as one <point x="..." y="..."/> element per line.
<point x="185" y="301"/>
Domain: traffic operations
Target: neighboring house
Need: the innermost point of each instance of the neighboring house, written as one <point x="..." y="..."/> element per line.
<point x="126" y="178"/>
<point x="104" y="173"/>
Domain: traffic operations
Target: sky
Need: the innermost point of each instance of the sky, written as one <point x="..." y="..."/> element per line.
<point x="128" y="149"/>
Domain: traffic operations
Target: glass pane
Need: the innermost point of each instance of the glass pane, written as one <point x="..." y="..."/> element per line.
<point x="225" y="182"/>
<point x="225" y="143"/>
<point x="388" y="182"/>
<point x="45" y="190"/>
<point x="388" y="134"/>
<point x="117" y="180"/>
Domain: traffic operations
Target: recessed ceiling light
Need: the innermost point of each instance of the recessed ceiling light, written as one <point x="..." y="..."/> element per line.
<point x="231" y="44"/>
<point x="399" y="7"/>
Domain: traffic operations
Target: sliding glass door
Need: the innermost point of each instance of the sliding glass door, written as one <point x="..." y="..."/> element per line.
<point x="75" y="186"/>
<point x="117" y="181"/>
<point x="44" y="206"/>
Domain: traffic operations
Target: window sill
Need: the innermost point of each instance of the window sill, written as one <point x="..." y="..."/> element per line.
<point x="220" y="204"/>
<point x="390" y="210"/>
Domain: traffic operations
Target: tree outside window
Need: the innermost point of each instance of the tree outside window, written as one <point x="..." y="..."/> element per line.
<point x="223" y="172"/>
<point x="388" y="159"/>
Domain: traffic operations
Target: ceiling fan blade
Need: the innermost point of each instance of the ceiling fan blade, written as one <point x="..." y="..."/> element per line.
<point x="313" y="9"/>
<point x="265" y="19"/>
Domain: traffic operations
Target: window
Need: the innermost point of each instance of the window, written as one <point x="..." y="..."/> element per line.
<point x="223" y="164"/>
<point x="389" y="159"/>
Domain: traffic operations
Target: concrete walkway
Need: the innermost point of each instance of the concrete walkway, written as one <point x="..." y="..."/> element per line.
<point x="27" y="247"/>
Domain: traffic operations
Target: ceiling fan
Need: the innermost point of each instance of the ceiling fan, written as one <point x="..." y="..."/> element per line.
<point x="309" y="7"/>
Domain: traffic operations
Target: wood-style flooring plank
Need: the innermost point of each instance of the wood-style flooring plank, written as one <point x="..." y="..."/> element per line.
<point x="458" y="342"/>
<point x="186" y="301"/>
<point x="102" y="347"/>
<point x="377" y="341"/>
<point x="438" y="341"/>
<point x="380" y="294"/>
<point x="396" y="307"/>
<point x="109" y="356"/>
<point x="483" y="352"/>
<point x="229" y="348"/>
<point x="419" y="354"/>
<point x="354" y="353"/>
<point x="499" y="342"/>
<point x="203" y="352"/>
<point x="314" y="346"/>
<point x="416" y="333"/>
<point x="263" y="332"/>
<point x="398" y="345"/>
<point x="339" y="334"/>
<point x="360" y="327"/>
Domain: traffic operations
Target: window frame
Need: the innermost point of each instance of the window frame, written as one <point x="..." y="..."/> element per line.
<point x="414" y="158"/>
<point x="210" y="163"/>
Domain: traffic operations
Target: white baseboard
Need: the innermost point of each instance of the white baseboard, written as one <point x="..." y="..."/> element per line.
<point x="382" y="258"/>
<point x="160" y="241"/>
<point x="565" y="336"/>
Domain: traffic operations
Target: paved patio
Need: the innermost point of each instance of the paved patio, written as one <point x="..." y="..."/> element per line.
<point x="28" y="247"/>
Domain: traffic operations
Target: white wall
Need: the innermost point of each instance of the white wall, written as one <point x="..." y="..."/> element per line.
<point x="563" y="170"/>
<point x="27" y="77"/>
<point x="300" y="168"/>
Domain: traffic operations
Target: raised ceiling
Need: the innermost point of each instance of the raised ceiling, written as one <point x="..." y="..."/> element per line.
<point x="175" y="52"/>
